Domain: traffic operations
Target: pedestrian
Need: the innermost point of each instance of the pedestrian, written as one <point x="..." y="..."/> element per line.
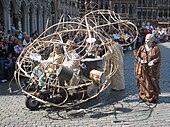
<point x="147" y="70"/>
<point x="114" y="56"/>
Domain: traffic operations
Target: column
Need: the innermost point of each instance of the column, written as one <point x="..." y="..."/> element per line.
<point x="19" y="16"/>
<point x="7" y="19"/>
<point x="40" y="20"/>
<point x="28" y="20"/>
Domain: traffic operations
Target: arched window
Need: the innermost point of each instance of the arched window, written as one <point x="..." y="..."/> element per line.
<point x="116" y="8"/>
<point x="123" y="8"/>
<point x="101" y="5"/>
<point x="14" y="18"/>
<point x="106" y="6"/>
<point x="23" y="20"/>
<point x="130" y="9"/>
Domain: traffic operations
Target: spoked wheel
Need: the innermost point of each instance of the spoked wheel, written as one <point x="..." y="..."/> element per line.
<point x="60" y="96"/>
<point x="31" y="103"/>
<point x="78" y="95"/>
<point x="92" y="90"/>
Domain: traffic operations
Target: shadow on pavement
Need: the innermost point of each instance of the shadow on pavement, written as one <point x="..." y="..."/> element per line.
<point x="5" y="89"/>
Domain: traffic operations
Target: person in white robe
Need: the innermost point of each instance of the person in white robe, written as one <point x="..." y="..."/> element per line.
<point x="114" y="56"/>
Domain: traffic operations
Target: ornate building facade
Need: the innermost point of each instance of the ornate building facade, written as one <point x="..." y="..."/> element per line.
<point x="32" y="15"/>
<point x="126" y="8"/>
<point x="138" y="11"/>
<point x="152" y="11"/>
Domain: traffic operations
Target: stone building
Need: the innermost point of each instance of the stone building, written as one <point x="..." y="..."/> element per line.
<point x="32" y="15"/>
<point x="153" y="11"/>
<point x="138" y="11"/>
<point x="126" y="8"/>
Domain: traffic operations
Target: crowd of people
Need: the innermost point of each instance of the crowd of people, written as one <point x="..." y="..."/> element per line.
<point x="12" y="44"/>
<point x="161" y="34"/>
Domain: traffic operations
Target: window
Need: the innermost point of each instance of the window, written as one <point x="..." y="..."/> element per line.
<point x="106" y="6"/>
<point x="154" y="13"/>
<point x="165" y="2"/>
<point x="150" y="2"/>
<point x="149" y="13"/>
<point x="130" y="9"/>
<point x="144" y="1"/>
<point x="139" y="14"/>
<point x="160" y="2"/>
<point x="139" y="1"/>
<point x="154" y="1"/>
<point x="116" y="7"/>
<point x="160" y="14"/>
<point x="165" y="13"/>
<point x="101" y="5"/>
<point x="144" y="14"/>
<point x="123" y="8"/>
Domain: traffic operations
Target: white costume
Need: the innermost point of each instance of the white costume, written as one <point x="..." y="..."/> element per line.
<point x="115" y="56"/>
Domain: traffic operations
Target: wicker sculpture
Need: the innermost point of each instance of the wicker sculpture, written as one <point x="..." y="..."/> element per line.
<point x="63" y="67"/>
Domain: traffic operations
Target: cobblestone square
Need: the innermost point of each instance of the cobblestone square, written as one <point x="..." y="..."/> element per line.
<point x="109" y="109"/>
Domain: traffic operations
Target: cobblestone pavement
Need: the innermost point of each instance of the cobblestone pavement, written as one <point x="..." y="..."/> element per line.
<point x="109" y="109"/>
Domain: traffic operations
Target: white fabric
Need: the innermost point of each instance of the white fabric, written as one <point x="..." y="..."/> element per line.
<point x="151" y="63"/>
<point x="117" y="80"/>
<point x="74" y="65"/>
<point x="149" y="37"/>
<point x="25" y="43"/>
<point x="147" y="47"/>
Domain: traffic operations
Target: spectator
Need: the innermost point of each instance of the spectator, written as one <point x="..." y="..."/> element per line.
<point x="1" y="35"/>
<point x="3" y="52"/>
<point x="6" y="43"/>
<point x="9" y="66"/>
<point x="8" y="33"/>
<point x="3" y="55"/>
<point x="11" y="45"/>
<point x="18" y="48"/>
<point x="26" y="40"/>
